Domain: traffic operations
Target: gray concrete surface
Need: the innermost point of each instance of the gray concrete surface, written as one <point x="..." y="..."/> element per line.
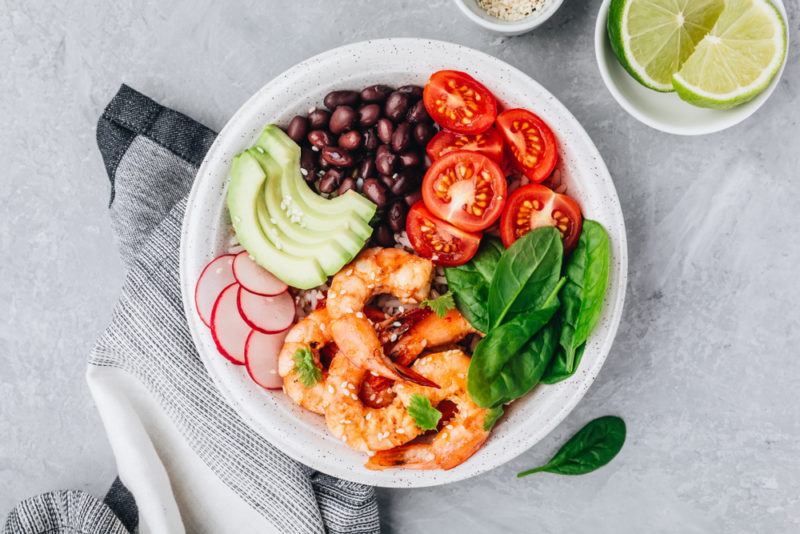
<point x="706" y="367"/>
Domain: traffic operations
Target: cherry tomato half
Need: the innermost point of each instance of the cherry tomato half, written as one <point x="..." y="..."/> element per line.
<point x="534" y="206"/>
<point x="466" y="189"/>
<point x="531" y="141"/>
<point x="459" y="102"/>
<point x="439" y="240"/>
<point x="488" y="143"/>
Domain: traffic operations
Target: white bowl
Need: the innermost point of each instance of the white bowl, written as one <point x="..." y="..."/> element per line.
<point x="301" y="434"/>
<point x="479" y="16"/>
<point x="666" y="111"/>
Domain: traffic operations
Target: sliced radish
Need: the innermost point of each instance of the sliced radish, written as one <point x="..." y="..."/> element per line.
<point x="269" y="315"/>
<point x="255" y="278"/>
<point x="228" y="328"/>
<point x="261" y="358"/>
<point x="216" y="276"/>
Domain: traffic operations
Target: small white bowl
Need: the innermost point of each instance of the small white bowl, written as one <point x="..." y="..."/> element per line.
<point x="666" y="111"/>
<point x="476" y="14"/>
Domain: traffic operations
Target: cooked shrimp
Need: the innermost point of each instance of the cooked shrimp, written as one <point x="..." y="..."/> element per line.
<point x="313" y="333"/>
<point x="376" y="271"/>
<point x="405" y="337"/>
<point x="362" y="428"/>
<point x="430" y="332"/>
<point x="358" y="341"/>
<point x="460" y="437"/>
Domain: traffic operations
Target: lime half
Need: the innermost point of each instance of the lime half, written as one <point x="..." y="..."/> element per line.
<point x="737" y="59"/>
<point x="652" y="38"/>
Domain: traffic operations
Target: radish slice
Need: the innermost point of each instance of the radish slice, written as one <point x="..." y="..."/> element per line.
<point x="261" y="358"/>
<point x="227" y="326"/>
<point x="268" y="315"/>
<point x="216" y="276"/>
<point x="255" y="278"/>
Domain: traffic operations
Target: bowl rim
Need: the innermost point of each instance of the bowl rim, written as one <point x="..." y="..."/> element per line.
<point x="601" y="44"/>
<point x="515" y="447"/>
<point x="510" y="27"/>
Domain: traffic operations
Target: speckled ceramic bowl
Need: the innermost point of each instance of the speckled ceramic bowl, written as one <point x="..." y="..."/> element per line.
<point x="303" y="435"/>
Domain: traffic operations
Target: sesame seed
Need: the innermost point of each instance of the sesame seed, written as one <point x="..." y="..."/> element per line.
<point x="401" y="430"/>
<point x="330" y="389"/>
<point x="396" y="324"/>
<point x="393" y="338"/>
<point x="360" y="315"/>
<point x="368" y="416"/>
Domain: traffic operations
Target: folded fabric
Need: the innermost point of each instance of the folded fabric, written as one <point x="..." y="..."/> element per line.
<point x="191" y="462"/>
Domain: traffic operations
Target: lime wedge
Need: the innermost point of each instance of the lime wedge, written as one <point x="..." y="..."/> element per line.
<point x="652" y="38"/>
<point x="737" y="59"/>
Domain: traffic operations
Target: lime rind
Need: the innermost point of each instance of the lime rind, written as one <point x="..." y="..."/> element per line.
<point x="698" y="96"/>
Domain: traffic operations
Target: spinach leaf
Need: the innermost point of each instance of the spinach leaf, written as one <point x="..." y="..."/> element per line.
<point x="590" y="448"/>
<point x="557" y="371"/>
<point x="469" y="283"/>
<point x="511" y="359"/>
<point x="492" y="415"/>
<point x="587" y="276"/>
<point x="525" y="275"/>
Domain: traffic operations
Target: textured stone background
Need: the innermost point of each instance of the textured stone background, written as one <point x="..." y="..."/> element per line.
<point x="706" y="367"/>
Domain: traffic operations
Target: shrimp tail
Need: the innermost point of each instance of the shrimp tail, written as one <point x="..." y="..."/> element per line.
<point x="409" y="456"/>
<point x="407" y="373"/>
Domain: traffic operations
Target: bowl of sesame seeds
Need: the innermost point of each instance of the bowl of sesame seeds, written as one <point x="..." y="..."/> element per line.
<point x="509" y="17"/>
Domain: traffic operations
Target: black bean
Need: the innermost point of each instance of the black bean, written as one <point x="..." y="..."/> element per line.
<point x="383" y="236"/>
<point x="330" y="180"/>
<point x="403" y="183"/>
<point x="367" y="168"/>
<point x="413" y="197"/>
<point x="368" y="115"/>
<point x="318" y="119"/>
<point x="385" y="161"/>
<point x="335" y="99"/>
<point x="423" y="133"/>
<point x="347" y="184"/>
<point x="343" y="118"/>
<point x="371" y="140"/>
<point x="413" y="91"/>
<point x="375" y="93"/>
<point x="385" y="129"/>
<point x="396" y="106"/>
<point x="350" y="140"/>
<point x="297" y="129"/>
<point x="410" y="158"/>
<point x="308" y="163"/>
<point x="396" y="215"/>
<point x="375" y="191"/>
<point x="387" y="180"/>
<point x="401" y="137"/>
<point x="418" y="113"/>
<point x="320" y="138"/>
<point x="338" y="157"/>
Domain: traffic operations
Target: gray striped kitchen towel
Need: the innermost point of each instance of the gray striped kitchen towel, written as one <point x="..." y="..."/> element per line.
<point x="151" y="154"/>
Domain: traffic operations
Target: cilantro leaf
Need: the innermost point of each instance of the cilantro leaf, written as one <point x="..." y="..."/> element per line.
<point x="425" y="416"/>
<point x="440" y="305"/>
<point x="305" y="367"/>
<point x="491" y="417"/>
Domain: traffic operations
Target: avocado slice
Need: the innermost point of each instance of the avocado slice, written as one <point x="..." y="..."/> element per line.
<point x="330" y="254"/>
<point x="247" y="181"/>
<point x="286" y="154"/>
<point x="336" y="228"/>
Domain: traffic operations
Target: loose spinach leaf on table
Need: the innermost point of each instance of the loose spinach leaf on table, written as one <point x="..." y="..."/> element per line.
<point x="590" y="448"/>
<point x="525" y="275"/>
<point x="511" y="358"/>
<point x="582" y="298"/>
<point x="469" y="283"/>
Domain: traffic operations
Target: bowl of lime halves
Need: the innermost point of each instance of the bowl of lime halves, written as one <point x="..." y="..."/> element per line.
<point x="691" y="67"/>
